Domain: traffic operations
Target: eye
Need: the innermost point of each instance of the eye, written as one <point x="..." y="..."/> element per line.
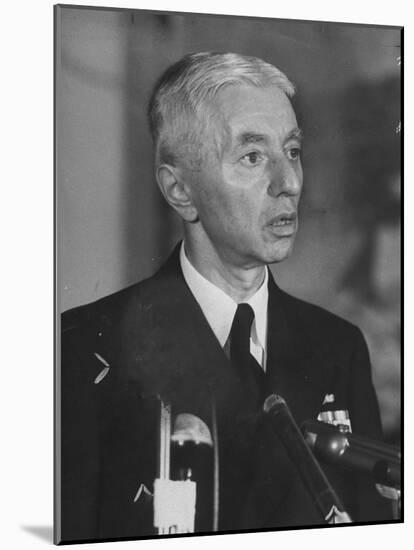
<point x="254" y="158"/>
<point x="294" y="153"/>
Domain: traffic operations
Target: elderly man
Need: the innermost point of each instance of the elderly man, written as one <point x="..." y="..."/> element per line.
<point x="210" y="335"/>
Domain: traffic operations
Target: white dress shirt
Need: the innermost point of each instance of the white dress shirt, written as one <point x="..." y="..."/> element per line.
<point x="219" y="309"/>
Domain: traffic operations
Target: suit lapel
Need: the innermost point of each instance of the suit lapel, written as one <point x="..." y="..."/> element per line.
<point x="293" y="368"/>
<point x="163" y="341"/>
<point x="167" y="346"/>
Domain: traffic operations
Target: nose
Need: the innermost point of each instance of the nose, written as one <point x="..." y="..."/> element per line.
<point x="285" y="178"/>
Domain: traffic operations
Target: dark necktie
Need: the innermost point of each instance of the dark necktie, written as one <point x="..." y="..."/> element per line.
<point x="250" y="372"/>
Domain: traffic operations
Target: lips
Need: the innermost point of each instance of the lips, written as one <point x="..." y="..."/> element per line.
<point x="283" y="225"/>
<point x="285" y="218"/>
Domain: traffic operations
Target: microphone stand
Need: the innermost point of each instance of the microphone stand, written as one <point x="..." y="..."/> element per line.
<point x="187" y="463"/>
<point x="174" y="499"/>
<point x="164" y="454"/>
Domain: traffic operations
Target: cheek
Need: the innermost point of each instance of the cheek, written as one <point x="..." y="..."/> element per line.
<point x="210" y="202"/>
<point x="241" y="213"/>
<point x="224" y="213"/>
<point x="227" y="203"/>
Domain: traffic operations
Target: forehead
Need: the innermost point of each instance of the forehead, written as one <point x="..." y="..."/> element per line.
<point x="244" y="108"/>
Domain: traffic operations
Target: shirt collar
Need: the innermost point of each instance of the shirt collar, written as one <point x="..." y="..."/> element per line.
<point x="219" y="309"/>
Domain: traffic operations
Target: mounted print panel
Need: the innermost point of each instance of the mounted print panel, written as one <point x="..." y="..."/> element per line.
<point x="228" y="204"/>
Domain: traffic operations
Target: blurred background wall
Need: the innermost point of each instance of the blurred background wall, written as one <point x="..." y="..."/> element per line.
<point x="113" y="226"/>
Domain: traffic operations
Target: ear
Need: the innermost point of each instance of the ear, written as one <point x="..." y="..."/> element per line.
<point x="176" y="191"/>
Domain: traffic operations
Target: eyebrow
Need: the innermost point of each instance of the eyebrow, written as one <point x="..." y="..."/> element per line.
<point x="250" y="137"/>
<point x="296" y="133"/>
<point x="253" y="137"/>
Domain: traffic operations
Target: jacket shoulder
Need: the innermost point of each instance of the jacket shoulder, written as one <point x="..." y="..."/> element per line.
<point x="109" y="308"/>
<point x="319" y="321"/>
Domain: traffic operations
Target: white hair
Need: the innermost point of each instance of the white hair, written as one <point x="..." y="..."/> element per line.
<point x="183" y="94"/>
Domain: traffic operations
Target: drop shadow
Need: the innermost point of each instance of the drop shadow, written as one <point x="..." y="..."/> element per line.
<point x="44" y="532"/>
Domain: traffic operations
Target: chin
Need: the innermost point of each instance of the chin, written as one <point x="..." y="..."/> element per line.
<point x="280" y="251"/>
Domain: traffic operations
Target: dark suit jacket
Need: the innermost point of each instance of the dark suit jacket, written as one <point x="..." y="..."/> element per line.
<point x="157" y="342"/>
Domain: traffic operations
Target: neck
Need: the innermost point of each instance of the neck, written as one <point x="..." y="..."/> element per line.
<point x="240" y="283"/>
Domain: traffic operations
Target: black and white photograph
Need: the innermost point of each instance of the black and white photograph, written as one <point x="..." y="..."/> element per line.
<point x="228" y="274"/>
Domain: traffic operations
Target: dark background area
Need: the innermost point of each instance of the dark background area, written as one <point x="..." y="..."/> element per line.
<point x="113" y="226"/>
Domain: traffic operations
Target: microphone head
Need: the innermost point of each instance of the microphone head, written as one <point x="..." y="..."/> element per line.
<point x="272" y="402"/>
<point x="188" y="427"/>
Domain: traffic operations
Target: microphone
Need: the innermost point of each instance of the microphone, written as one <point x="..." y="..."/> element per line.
<point x="382" y="462"/>
<point x="184" y="491"/>
<point x="191" y="447"/>
<point x="321" y="491"/>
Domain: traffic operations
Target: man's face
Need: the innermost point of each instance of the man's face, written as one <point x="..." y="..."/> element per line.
<point x="247" y="196"/>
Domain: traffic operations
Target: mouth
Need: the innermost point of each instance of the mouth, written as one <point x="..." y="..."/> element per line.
<point x="285" y="218"/>
<point x="284" y="224"/>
